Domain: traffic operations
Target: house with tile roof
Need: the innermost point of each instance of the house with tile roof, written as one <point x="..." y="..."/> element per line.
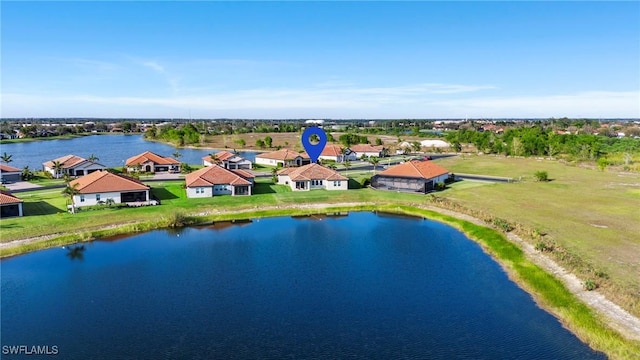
<point x="284" y="158"/>
<point x="153" y="163"/>
<point x="227" y="160"/>
<point x="312" y="176"/>
<point x="368" y="150"/>
<point x="10" y="205"/>
<point x="99" y="186"/>
<point x="9" y="173"/>
<point x="215" y="180"/>
<point x="413" y="176"/>
<point x="71" y="165"/>
<point x="337" y="153"/>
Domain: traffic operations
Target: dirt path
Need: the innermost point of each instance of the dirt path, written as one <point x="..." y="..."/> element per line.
<point x="617" y="318"/>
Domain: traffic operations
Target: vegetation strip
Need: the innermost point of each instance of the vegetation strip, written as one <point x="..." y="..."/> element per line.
<point x="548" y="291"/>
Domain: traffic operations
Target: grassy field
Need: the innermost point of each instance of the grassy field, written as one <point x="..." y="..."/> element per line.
<point x="595" y="215"/>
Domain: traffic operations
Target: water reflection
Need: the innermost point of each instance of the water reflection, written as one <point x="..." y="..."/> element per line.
<point x="75" y="251"/>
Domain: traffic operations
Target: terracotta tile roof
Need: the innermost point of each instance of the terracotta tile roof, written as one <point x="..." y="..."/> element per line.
<point x="66" y="161"/>
<point x="311" y="172"/>
<point x="216" y="175"/>
<point x="7" y="198"/>
<point x="284" y="154"/>
<point x="332" y="150"/>
<point x="416" y="169"/>
<point x="366" y="148"/>
<point x="222" y="156"/>
<point x="103" y="181"/>
<point x="7" y="168"/>
<point x="148" y="156"/>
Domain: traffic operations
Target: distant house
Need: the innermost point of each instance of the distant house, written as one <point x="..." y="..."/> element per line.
<point x="72" y="165"/>
<point x="414" y="176"/>
<point x="283" y="158"/>
<point x="368" y="150"/>
<point x="215" y="180"/>
<point x="9" y="173"/>
<point x="335" y="153"/>
<point x="9" y="205"/>
<point x="227" y="160"/>
<point x="151" y="162"/>
<point x="312" y="176"/>
<point x="100" y="186"/>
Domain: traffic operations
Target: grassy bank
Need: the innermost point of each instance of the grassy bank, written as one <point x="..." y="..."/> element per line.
<point x="547" y="290"/>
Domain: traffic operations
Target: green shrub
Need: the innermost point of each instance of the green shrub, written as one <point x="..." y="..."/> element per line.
<point x="543" y="246"/>
<point x="590" y="285"/>
<point x="541" y="175"/>
<point x="502" y="224"/>
<point x="365" y="182"/>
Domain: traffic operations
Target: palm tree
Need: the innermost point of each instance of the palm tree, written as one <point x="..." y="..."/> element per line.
<point x="70" y="191"/>
<point x="274" y="175"/>
<point x="93" y="158"/>
<point x="374" y="161"/>
<point x="346" y="164"/>
<point x="6" y="158"/>
<point x="215" y="159"/>
<point x="177" y="155"/>
<point x="26" y="174"/>
<point x="57" y="166"/>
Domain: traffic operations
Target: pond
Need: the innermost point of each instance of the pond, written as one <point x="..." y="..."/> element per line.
<point x="112" y="150"/>
<point x="363" y="286"/>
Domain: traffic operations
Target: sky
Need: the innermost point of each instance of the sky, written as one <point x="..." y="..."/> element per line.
<point x="320" y="60"/>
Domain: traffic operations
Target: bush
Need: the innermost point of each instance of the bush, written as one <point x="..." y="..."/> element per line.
<point x="502" y="224"/>
<point x="543" y="246"/>
<point x="590" y="285"/>
<point x="541" y="175"/>
<point x="177" y="220"/>
<point x="365" y="182"/>
<point x="440" y="186"/>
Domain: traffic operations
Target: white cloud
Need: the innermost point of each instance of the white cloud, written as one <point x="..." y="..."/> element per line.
<point x="415" y="100"/>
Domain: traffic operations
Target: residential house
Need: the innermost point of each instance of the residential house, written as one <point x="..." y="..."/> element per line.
<point x="9" y="205"/>
<point x="312" y="176"/>
<point x="337" y="153"/>
<point x="9" y="173"/>
<point x="368" y="150"/>
<point x="227" y="160"/>
<point x="72" y="165"/>
<point x="415" y="176"/>
<point x="153" y="163"/>
<point x="97" y="187"/>
<point x="284" y="158"/>
<point x="215" y="180"/>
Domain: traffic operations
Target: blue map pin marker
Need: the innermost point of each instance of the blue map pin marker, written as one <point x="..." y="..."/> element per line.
<point x="314" y="151"/>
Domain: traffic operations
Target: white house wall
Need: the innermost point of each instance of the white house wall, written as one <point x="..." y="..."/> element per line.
<point x="200" y="191"/>
<point x="90" y="199"/>
<point x="337" y="184"/>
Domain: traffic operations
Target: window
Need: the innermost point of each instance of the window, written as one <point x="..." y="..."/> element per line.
<point x="97" y="197"/>
<point x="319" y="182"/>
<point x="336" y="183"/>
<point x="199" y="190"/>
<point x="81" y="198"/>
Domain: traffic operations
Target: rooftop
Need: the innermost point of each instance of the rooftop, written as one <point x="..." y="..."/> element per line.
<point x="217" y="175"/>
<point x="311" y="172"/>
<point x="104" y="181"/>
<point x="416" y="169"/>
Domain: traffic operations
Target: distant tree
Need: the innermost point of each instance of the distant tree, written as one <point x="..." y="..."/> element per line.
<point x="260" y="143"/>
<point x="127" y="126"/>
<point x="379" y="142"/>
<point x="177" y="155"/>
<point x="268" y="141"/>
<point x="241" y="143"/>
<point x="93" y="158"/>
<point x="274" y="175"/>
<point x="346" y="163"/>
<point x="374" y="161"/>
<point x="6" y="158"/>
<point x="415" y="146"/>
<point x="26" y="174"/>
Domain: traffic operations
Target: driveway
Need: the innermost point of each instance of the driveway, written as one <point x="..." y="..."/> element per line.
<point x="21" y="186"/>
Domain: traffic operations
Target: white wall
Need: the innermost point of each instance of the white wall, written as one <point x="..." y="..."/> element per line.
<point x="341" y="185"/>
<point x="90" y="199"/>
<point x="206" y="191"/>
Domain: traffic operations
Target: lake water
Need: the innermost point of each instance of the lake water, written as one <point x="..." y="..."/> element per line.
<point x="112" y="150"/>
<point x="364" y="286"/>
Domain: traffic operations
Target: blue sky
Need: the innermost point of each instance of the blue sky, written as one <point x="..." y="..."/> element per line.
<point x="320" y="59"/>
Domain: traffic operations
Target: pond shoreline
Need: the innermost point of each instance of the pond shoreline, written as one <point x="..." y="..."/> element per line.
<point x="554" y="289"/>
